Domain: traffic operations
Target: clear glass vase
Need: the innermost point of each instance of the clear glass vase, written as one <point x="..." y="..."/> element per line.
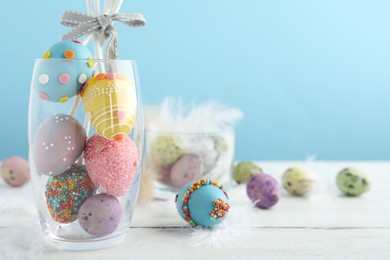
<point x="85" y="150"/>
<point x="176" y="159"/>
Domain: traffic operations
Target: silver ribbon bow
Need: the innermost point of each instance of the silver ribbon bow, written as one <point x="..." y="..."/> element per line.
<point x="85" y="24"/>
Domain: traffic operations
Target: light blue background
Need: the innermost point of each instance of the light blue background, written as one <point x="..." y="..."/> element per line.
<point x="312" y="77"/>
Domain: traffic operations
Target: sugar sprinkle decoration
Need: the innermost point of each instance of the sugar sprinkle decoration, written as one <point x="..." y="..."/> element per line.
<point x="221" y="208"/>
<point x="66" y="193"/>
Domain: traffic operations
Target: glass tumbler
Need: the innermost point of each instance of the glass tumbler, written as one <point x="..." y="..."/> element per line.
<point x="85" y="149"/>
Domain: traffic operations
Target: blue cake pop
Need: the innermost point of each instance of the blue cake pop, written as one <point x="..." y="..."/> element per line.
<point x="58" y="81"/>
<point x="203" y="203"/>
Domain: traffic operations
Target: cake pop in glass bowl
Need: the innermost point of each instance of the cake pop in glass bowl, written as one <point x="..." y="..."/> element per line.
<point x="56" y="132"/>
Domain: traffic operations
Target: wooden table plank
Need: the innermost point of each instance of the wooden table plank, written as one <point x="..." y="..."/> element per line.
<point x="295" y="243"/>
<point x="324" y="225"/>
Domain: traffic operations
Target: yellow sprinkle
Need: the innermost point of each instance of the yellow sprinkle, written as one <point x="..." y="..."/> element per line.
<point x="46" y="55"/>
<point x="90" y="63"/>
<point x="63" y="99"/>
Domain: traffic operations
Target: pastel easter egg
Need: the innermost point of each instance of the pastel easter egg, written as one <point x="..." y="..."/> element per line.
<point x="204" y="146"/>
<point x="187" y="169"/>
<point x="263" y="190"/>
<point x="112" y="165"/>
<point x="63" y="71"/>
<point x="353" y="182"/>
<point x="163" y="173"/>
<point x="203" y="203"/>
<point x="244" y="170"/>
<point x="15" y="171"/>
<point x="297" y="181"/>
<point x="58" y="143"/>
<point x="167" y="149"/>
<point x="66" y="193"/>
<point x="100" y="215"/>
<point x="112" y="101"/>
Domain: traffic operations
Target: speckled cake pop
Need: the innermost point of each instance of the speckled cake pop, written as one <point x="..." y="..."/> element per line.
<point x="353" y="182"/>
<point x="203" y="203"/>
<point x="60" y="81"/>
<point x="166" y="150"/>
<point x="59" y="142"/>
<point x="15" y="171"/>
<point x="244" y="170"/>
<point x="66" y="193"/>
<point x="297" y="181"/>
<point x="112" y="101"/>
<point x="263" y="190"/>
<point x="100" y="215"/>
<point x="112" y="165"/>
<point x="187" y="169"/>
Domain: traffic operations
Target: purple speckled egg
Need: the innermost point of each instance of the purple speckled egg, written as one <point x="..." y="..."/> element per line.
<point x="187" y="169"/>
<point x="164" y="174"/>
<point x="59" y="142"/>
<point x="263" y="190"/>
<point x="15" y="171"/>
<point x="100" y="215"/>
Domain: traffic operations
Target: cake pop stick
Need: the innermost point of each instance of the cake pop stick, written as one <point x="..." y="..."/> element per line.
<point x="75" y="106"/>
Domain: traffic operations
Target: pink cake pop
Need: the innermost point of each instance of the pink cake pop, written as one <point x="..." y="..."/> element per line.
<point x="15" y="171"/>
<point x="112" y="165"/>
<point x="59" y="142"/>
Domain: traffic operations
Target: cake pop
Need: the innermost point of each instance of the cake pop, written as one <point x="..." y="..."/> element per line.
<point x="203" y="203"/>
<point x="66" y="193"/>
<point x="58" y="143"/>
<point x="112" y="101"/>
<point x="63" y="71"/>
<point x="112" y="165"/>
<point x="100" y="215"/>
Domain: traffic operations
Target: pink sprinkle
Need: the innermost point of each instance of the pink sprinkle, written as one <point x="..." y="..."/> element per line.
<point x="110" y="76"/>
<point x="121" y="115"/>
<point x="77" y="41"/>
<point x="43" y="96"/>
<point x="64" y="78"/>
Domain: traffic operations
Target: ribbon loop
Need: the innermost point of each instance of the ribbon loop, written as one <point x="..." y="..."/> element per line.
<point x="84" y="24"/>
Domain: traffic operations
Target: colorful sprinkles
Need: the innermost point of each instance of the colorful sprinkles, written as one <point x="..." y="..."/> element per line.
<point x="66" y="193"/>
<point x="220" y="209"/>
<point x="218" y="205"/>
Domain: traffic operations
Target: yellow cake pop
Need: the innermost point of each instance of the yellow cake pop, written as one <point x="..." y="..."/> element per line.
<point x="112" y="101"/>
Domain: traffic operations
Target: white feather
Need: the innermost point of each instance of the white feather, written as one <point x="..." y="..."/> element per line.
<point x="173" y="116"/>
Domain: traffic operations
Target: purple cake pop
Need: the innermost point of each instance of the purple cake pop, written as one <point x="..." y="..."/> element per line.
<point x="263" y="190"/>
<point x="100" y="215"/>
<point x="59" y="142"/>
<point x="188" y="168"/>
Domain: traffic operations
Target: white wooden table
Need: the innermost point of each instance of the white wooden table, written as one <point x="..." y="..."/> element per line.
<point x="325" y="225"/>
